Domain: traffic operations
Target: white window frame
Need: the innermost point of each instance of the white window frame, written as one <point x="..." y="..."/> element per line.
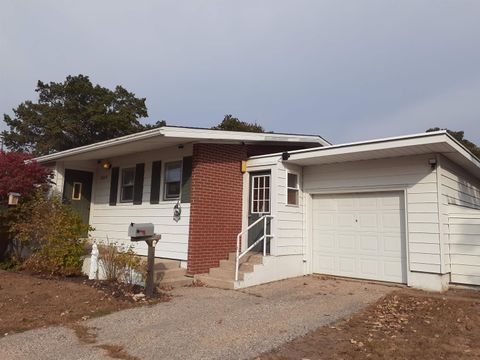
<point x="252" y="207"/>
<point x="164" y="180"/>
<point x="79" y="197"/>
<point x="297" y="189"/>
<point x="121" y="185"/>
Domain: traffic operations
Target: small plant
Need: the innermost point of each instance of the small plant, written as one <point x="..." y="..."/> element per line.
<point x="51" y="234"/>
<point x="120" y="263"/>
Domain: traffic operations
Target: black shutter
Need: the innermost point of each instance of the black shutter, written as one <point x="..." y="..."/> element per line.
<point x="138" y="184"/>
<point x="186" y="179"/>
<point x="155" y="183"/>
<point x="114" y="186"/>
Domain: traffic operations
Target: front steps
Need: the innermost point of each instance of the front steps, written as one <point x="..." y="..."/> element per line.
<point x="169" y="274"/>
<point x="224" y="276"/>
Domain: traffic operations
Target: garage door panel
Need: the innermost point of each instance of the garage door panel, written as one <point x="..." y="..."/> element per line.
<point x="325" y="264"/>
<point x="392" y="245"/>
<point x="347" y="265"/>
<point x="369" y="242"/>
<point x="345" y="203"/>
<point x="345" y="220"/>
<point x="346" y="241"/>
<point x="326" y="239"/>
<point x="367" y="220"/>
<point x="360" y="235"/>
<point x="368" y="267"/>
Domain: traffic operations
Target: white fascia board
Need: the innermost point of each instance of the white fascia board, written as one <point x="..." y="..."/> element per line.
<point x="368" y="146"/>
<point x="314" y="152"/>
<point x="184" y="133"/>
<point x="210" y="134"/>
<point x="100" y="145"/>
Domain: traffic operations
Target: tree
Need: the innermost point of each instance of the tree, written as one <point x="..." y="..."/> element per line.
<point x="231" y="123"/>
<point x="460" y="136"/>
<point x="73" y="113"/>
<point x="19" y="175"/>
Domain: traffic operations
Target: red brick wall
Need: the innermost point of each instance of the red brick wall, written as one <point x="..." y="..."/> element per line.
<point x="216" y="204"/>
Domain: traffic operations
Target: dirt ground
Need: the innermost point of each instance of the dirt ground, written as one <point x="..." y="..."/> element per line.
<point x="405" y="324"/>
<point x="28" y="302"/>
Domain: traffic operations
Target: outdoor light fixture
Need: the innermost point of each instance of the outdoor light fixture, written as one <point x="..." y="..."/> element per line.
<point x="106" y="164"/>
<point x="433" y="163"/>
<point x="285" y="155"/>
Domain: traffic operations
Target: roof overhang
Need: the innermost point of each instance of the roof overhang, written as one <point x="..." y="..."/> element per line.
<point x="167" y="136"/>
<point x="439" y="142"/>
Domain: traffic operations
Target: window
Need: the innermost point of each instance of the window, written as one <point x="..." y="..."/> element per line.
<point x="173" y="175"/>
<point x="260" y="194"/>
<point x="128" y="179"/>
<point x="77" y="191"/>
<point x="292" y="189"/>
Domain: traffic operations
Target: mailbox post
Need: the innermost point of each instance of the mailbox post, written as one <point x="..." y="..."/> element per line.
<point x="144" y="232"/>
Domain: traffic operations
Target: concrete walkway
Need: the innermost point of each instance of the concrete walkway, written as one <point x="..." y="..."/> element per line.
<point x="204" y="323"/>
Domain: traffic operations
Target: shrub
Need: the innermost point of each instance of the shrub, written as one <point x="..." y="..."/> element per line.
<point x="52" y="233"/>
<point x="119" y="262"/>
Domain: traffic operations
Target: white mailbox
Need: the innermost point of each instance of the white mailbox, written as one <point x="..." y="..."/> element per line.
<point x="139" y="232"/>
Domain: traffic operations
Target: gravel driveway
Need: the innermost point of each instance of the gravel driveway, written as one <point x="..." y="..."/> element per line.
<point x="204" y="323"/>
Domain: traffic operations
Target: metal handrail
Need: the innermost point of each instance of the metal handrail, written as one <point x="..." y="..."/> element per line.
<point x="263" y="238"/>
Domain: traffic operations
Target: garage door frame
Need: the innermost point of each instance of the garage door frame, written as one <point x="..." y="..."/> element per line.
<point x="309" y="219"/>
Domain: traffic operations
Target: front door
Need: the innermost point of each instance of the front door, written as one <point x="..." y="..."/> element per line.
<point x="77" y="192"/>
<point x="260" y="204"/>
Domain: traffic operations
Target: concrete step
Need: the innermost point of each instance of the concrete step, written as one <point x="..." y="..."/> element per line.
<point x="175" y="283"/>
<point x="164" y="264"/>
<point x="245" y="267"/>
<point x="253" y="258"/>
<point x="226" y="274"/>
<point x="211" y="281"/>
<point x="161" y="275"/>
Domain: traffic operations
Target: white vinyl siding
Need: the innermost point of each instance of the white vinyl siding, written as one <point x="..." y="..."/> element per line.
<point x="112" y="221"/>
<point x="460" y="194"/>
<point x="464" y="244"/>
<point x="411" y="173"/>
<point x="289" y="231"/>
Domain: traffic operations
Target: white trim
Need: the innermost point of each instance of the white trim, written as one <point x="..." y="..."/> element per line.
<point x="440" y="208"/>
<point x="120" y="184"/>
<point x="79" y="192"/>
<point x="163" y="183"/>
<point x="269" y="176"/>
<point x="377" y="142"/>
<point x="290" y="188"/>
<point x="194" y="134"/>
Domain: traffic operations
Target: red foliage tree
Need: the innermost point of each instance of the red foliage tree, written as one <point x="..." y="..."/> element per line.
<point x="19" y="175"/>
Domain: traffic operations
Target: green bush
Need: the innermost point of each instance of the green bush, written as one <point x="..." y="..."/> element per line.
<point x="52" y="234"/>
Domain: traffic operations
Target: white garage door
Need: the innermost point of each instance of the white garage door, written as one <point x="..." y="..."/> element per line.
<point x="360" y="235"/>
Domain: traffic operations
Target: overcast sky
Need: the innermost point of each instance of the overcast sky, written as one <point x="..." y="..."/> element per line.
<point x="347" y="70"/>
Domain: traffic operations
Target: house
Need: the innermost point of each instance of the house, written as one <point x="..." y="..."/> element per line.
<point x="403" y="210"/>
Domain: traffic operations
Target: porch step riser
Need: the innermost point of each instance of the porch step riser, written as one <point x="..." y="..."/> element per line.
<point x="216" y="283"/>
<point x="175" y="283"/>
<point x="170" y="274"/>
<point x="163" y="264"/>
<point x="225" y="274"/>
<point x="253" y="259"/>
<point x="230" y="265"/>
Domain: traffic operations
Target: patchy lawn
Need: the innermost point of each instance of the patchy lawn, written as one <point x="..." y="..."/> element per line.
<point x="405" y="324"/>
<point x="28" y="302"/>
